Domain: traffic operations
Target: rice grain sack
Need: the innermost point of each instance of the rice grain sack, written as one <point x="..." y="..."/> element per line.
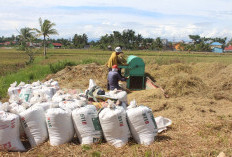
<point x="44" y="105"/>
<point x="142" y="124"/>
<point x="16" y="108"/>
<point x="120" y="95"/>
<point x="60" y="126"/>
<point x="114" y="125"/>
<point x="87" y="125"/>
<point x="34" y="125"/>
<point x="26" y="94"/>
<point x="13" y="90"/>
<point x="72" y="104"/>
<point x="9" y="132"/>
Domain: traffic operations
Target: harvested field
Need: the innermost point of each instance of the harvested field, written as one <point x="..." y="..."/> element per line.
<point x="199" y="104"/>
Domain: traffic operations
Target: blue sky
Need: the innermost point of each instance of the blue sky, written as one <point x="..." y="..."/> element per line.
<point x="170" y="19"/>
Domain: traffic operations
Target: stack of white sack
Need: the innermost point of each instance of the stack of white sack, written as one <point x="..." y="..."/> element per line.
<point x="33" y="93"/>
<point x="60" y="126"/>
<point x="114" y="125"/>
<point x="87" y="125"/>
<point x="141" y="123"/>
<point x="43" y="92"/>
<point x="9" y="132"/>
<point x="34" y="124"/>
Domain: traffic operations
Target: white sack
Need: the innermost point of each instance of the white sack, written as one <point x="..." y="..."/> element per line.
<point x="9" y="132"/>
<point x="38" y="97"/>
<point x="16" y="108"/>
<point x="26" y="94"/>
<point x="5" y="107"/>
<point x="48" y="91"/>
<point x="72" y="104"/>
<point x="114" y="125"/>
<point x="142" y="124"/>
<point x="44" y="105"/>
<point x="162" y="123"/>
<point x="34" y="124"/>
<point x="120" y="95"/>
<point x="36" y="84"/>
<point x="91" y="84"/>
<point x="52" y="83"/>
<point x="87" y="125"/>
<point x="13" y="90"/>
<point x="61" y="96"/>
<point x="60" y="126"/>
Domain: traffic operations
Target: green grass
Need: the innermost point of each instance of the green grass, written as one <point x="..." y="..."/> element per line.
<point x="27" y="75"/>
<point x="55" y="67"/>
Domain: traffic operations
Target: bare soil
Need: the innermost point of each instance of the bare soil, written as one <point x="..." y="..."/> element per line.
<point x="199" y="105"/>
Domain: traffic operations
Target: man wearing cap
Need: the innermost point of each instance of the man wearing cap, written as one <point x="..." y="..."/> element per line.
<point x="113" y="78"/>
<point x="114" y="60"/>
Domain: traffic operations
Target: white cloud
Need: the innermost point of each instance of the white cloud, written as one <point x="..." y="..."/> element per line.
<point x="151" y="18"/>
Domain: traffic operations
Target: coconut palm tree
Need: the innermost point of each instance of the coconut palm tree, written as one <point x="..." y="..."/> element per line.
<point x="25" y="35"/>
<point x="46" y="29"/>
<point x="26" y="38"/>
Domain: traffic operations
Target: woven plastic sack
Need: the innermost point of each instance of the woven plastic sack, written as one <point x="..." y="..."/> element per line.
<point x="60" y="126"/>
<point x="120" y="95"/>
<point x="34" y="125"/>
<point x="9" y="132"/>
<point x="44" y="105"/>
<point x="162" y="123"/>
<point x="26" y="94"/>
<point x="142" y="124"/>
<point x="114" y="125"/>
<point x="72" y="104"/>
<point x="87" y="125"/>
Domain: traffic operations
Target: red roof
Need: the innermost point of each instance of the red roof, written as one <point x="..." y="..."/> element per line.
<point x="228" y="47"/>
<point x="56" y="44"/>
<point x="7" y="43"/>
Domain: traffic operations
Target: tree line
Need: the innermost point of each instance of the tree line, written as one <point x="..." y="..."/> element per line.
<point x="127" y="39"/>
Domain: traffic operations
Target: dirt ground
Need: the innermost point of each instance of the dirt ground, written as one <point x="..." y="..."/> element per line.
<point x="199" y="105"/>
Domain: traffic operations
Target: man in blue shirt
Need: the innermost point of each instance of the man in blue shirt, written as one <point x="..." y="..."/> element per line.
<point x="114" y="77"/>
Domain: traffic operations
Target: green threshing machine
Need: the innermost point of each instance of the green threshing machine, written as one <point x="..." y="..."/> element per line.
<point x="135" y="69"/>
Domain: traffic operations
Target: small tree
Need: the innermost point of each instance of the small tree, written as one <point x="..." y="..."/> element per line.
<point x="46" y="29"/>
<point x="26" y="38"/>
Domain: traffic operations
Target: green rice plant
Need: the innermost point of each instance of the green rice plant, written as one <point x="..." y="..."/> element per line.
<point x="55" y="67"/>
<point x="91" y="60"/>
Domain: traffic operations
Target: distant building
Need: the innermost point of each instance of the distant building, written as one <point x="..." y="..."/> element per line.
<point x="57" y="45"/>
<point x="7" y="43"/>
<point x="178" y="47"/>
<point x="216" y="47"/>
<point x="228" y="48"/>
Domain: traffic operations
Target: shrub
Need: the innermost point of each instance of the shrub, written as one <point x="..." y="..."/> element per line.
<point x="55" y="67"/>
